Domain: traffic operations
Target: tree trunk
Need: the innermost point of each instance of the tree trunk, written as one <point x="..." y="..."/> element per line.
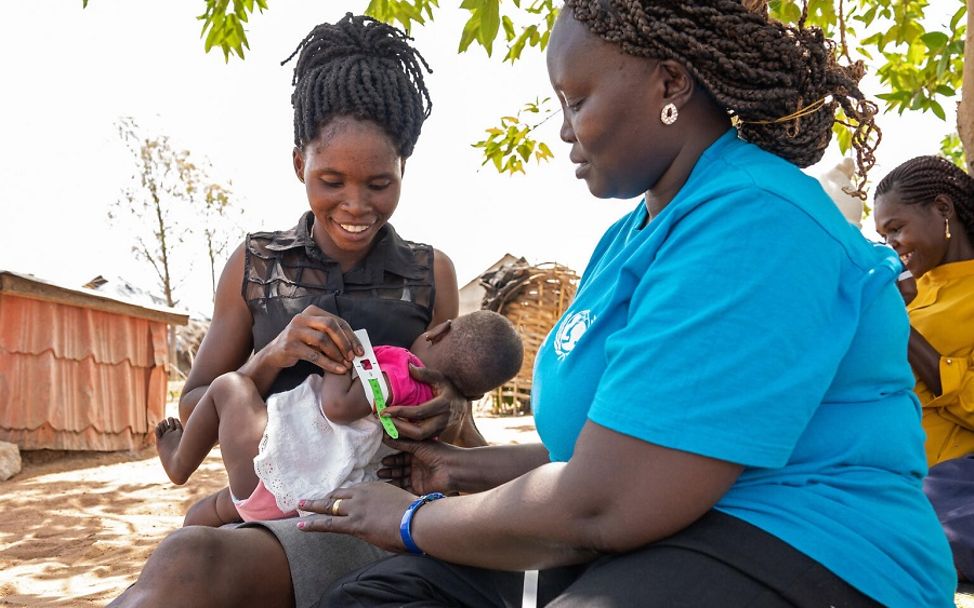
<point x="209" y="250"/>
<point x="965" y="109"/>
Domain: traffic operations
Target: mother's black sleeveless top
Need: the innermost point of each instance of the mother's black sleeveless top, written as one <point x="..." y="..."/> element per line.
<point x="390" y="293"/>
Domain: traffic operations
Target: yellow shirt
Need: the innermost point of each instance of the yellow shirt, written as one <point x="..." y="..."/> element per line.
<point x="943" y="313"/>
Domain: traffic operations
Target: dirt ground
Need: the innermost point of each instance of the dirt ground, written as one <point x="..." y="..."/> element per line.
<point x="76" y="528"/>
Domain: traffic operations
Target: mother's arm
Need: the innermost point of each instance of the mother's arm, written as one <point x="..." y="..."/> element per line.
<point x="312" y="335"/>
<point x="228" y="341"/>
<point x="617" y="493"/>
<point x="436" y="466"/>
<point x="925" y="361"/>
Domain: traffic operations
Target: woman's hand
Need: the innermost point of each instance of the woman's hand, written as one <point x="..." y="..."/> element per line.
<point x="370" y="511"/>
<point x="316" y="336"/>
<point x="421" y="466"/>
<point x="445" y="410"/>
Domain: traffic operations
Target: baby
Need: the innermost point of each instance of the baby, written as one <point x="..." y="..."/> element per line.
<point x="308" y="441"/>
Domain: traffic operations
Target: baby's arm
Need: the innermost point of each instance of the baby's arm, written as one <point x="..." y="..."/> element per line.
<point x="343" y="399"/>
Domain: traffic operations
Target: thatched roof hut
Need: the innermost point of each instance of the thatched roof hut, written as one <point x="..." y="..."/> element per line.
<point x="533" y="297"/>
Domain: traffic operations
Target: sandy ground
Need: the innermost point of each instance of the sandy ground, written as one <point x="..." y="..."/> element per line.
<point x="75" y="529"/>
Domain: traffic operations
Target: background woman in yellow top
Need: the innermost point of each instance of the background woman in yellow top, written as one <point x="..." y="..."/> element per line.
<point x="925" y="211"/>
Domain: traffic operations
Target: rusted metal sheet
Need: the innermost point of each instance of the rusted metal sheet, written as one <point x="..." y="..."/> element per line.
<point x="32" y="287"/>
<point x="79" y="378"/>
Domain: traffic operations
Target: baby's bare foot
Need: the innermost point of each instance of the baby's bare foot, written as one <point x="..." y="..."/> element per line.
<point x="168" y="434"/>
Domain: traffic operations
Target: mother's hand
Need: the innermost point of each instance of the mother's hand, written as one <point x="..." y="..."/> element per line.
<point x="316" y="336"/>
<point x="445" y="410"/>
<point x="370" y="511"/>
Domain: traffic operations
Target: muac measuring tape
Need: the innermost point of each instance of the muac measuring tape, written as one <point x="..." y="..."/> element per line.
<point x="373" y="383"/>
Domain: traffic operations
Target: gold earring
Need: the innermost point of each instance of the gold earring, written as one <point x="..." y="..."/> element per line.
<point x="947" y="228"/>
<point x="669" y="114"/>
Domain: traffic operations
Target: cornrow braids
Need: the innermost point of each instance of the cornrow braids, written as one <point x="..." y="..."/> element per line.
<point x="780" y="84"/>
<point x="920" y="180"/>
<point x="362" y="68"/>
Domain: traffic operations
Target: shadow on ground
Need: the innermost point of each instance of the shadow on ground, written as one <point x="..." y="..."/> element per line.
<point x="76" y="528"/>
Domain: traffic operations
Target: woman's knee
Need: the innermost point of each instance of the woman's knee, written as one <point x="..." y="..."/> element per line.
<point x="217" y="567"/>
<point x="194" y="550"/>
<point x="234" y="384"/>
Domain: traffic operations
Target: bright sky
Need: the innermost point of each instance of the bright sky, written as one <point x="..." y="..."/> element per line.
<point x="68" y="74"/>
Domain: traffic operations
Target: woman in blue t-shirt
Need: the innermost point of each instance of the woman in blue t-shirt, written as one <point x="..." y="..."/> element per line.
<point x="726" y="407"/>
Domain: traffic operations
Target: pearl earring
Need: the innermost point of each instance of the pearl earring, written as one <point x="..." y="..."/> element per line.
<point x="669" y="114"/>
<point x="947" y="228"/>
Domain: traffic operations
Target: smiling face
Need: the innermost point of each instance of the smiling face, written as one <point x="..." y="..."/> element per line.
<point x="352" y="173"/>
<point x="915" y="231"/>
<point x="611" y="104"/>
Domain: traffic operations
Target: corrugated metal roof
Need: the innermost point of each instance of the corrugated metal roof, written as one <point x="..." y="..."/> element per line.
<point x="79" y="378"/>
<point x="39" y="289"/>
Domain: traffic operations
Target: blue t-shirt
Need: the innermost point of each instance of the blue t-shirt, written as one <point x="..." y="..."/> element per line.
<point x="751" y="323"/>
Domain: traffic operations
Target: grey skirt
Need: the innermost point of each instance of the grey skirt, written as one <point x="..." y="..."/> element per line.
<point x="317" y="559"/>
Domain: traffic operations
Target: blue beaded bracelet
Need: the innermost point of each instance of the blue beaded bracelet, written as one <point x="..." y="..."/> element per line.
<point x="405" y="526"/>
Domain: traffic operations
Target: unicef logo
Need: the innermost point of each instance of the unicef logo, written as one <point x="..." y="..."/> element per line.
<point x="571" y="330"/>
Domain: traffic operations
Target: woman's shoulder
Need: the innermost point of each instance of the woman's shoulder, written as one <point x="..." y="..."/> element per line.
<point x="267" y="243"/>
<point x="408" y="259"/>
<point x="750" y="183"/>
<point x="396" y="242"/>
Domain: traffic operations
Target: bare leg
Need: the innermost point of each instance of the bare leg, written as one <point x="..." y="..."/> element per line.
<point x="199" y="566"/>
<point x="246" y="418"/>
<point x="214" y="510"/>
<point x="231" y="410"/>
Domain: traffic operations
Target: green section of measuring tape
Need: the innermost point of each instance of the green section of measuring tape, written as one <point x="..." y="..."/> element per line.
<point x="380" y="404"/>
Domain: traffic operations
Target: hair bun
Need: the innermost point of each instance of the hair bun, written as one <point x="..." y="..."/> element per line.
<point x="363" y="68"/>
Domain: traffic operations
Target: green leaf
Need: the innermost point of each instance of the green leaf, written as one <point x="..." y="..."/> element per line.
<point x="469" y="34"/>
<point x="791" y="13"/>
<point x="952" y="149"/>
<point x="843" y="137"/>
<point x="937" y="109"/>
<point x="490" y="22"/>
<point x="508" y="28"/>
<point x="211" y="39"/>
<point x="935" y="40"/>
<point x="961" y="12"/>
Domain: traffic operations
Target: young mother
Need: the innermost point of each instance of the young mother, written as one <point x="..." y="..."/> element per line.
<point x="735" y="425"/>
<point x="287" y="301"/>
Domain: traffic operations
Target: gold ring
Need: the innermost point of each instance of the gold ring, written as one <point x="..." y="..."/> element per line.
<point x="334" y="506"/>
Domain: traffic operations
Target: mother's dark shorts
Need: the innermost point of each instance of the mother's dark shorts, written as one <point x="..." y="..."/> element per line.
<point x="316" y="559"/>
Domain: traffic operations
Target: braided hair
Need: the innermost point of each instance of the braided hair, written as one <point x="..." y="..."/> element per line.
<point x="362" y="68"/>
<point x="780" y="84"/>
<point x="920" y="180"/>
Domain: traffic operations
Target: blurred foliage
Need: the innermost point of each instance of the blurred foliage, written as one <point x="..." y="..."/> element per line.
<point x="171" y="207"/>
<point x="920" y="63"/>
<point x="406" y="12"/>
<point x="223" y="25"/>
<point x="952" y="150"/>
<point x="510" y="146"/>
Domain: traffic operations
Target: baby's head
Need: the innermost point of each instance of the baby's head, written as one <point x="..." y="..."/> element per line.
<point x="477" y="352"/>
